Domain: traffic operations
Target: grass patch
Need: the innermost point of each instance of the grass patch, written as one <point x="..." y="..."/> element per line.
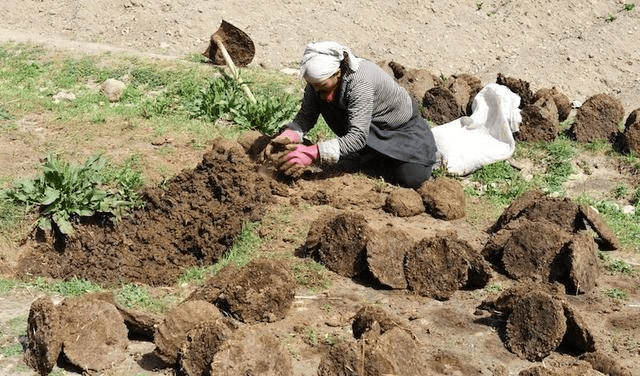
<point x="625" y="226"/>
<point x="310" y="274"/>
<point x="243" y="251"/>
<point x="73" y="287"/>
<point x="139" y="297"/>
<point x="616" y="266"/>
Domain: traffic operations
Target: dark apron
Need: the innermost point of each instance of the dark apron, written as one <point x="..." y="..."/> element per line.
<point x="411" y="142"/>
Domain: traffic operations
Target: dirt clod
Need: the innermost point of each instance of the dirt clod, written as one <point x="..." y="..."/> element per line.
<point x="200" y="346"/>
<point x="339" y="243"/>
<point x="443" y="198"/>
<point x="597" y="119"/>
<point x="632" y="131"/>
<point x="519" y="87"/>
<point x="43" y="335"/>
<point x="386" y="249"/>
<point x="539" y="121"/>
<point x="262" y="291"/>
<point x="404" y="202"/>
<point x="249" y="351"/>
<point x="536" y="326"/>
<point x="437" y="267"/>
<point x="95" y="337"/>
<point x="172" y="332"/>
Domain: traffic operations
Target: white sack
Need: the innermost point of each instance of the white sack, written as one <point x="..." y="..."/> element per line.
<point x="470" y="142"/>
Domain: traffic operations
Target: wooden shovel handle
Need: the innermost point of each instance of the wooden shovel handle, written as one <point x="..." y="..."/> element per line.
<point x="234" y="71"/>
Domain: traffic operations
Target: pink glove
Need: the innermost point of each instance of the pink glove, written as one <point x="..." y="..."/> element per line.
<point x="291" y="135"/>
<point x="298" y="158"/>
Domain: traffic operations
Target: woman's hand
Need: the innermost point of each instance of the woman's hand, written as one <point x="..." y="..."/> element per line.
<point x="274" y="149"/>
<point x="297" y="159"/>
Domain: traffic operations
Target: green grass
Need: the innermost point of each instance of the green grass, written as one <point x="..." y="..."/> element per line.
<point x="616" y="266"/>
<point x="73" y="287"/>
<point x="625" y="226"/>
<point x="138" y="297"/>
<point x="243" y="251"/>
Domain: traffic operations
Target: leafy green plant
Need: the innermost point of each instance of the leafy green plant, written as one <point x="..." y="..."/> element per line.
<point x="268" y="114"/>
<point x="222" y="96"/>
<point x="478" y="5"/>
<point x="610" y="18"/>
<point x="616" y="293"/>
<point x="629" y="7"/>
<point x="66" y="192"/>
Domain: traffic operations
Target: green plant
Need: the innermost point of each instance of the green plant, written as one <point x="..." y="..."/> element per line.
<point x="610" y="18"/>
<point x="493" y="288"/>
<point x="72" y="287"/>
<point x="4" y="113"/>
<point x="310" y="274"/>
<point x="244" y="247"/>
<point x="499" y="182"/>
<point x="616" y="293"/>
<point x="138" y="297"/>
<point x="620" y="191"/>
<point x="11" y="350"/>
<point x="7" y="285"/>
<point x="66" y="192"/>
<point x="616" y="266"/>
<point x="629" y="7"/>
<point x="478" y="5"/>
<point x="222" y="96"/>
<point x="268" y="114"/>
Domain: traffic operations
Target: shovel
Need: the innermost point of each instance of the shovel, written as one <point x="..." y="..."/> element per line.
<point x="232" y="46"/>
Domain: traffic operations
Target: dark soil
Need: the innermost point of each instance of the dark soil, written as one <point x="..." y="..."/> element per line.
<point x="598" y="119"/>
<point x="192" y="222"/>
<point x="537" y="238"/>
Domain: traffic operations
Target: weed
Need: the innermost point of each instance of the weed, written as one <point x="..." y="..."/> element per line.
<point x="616" y="266"/>
<point x="616" y="293"/>
<point x="66" y="192"/>
<point x="73" y="287"/>
<point x="311" y="335"/>
<point x="610" y="18"/>
<point x="138" y="297"/>
<point x="629" y="7"/>
<point x="244" y="247"/>
<point x="620" y="191"/>
<point x="6" y="286"/>
<point x="310" y="274"/>
<point x="478" y="5"/>
<point x="268" y="114"/>
<point x="11" y="350"/>
<point x="493" y="288"/>
<point x="4" y="113"/>
<point x="327" y="308"/>
<point x="499" y="182"/>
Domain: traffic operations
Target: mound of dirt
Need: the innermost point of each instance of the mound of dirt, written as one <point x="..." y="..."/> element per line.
<point x="89" y="331"/>
<point x="539" y="321"/>
<point x="249" y="351"/>
<point x="200" y="346"/>
<point x="262" y="291"/>
<point x="437" y="267"/>
<point x="518" y="86"/>
<point x="443" y="198"/>
<point x="632" y="132"/>
<point x="44" y="339"/>
<point x="404" y="202"/>
<point x="172" y="332"/>
<point x="386" y="249"/>
<point x="539" y="121"/>
<point x="192" y="222"/>
<point x="339" y="243"/>
<point x="597" y="119"/>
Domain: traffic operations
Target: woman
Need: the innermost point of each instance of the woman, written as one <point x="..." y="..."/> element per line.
<point x="368" y="111"/>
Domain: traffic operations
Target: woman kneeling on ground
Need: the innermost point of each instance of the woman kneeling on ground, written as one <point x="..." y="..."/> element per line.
<point x="367" y="110"/>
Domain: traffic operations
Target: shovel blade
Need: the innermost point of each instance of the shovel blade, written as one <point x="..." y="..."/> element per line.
<point x="237" y="43"/>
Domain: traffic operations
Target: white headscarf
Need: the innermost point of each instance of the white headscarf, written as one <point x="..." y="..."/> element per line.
<point x="322" y="59"/>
